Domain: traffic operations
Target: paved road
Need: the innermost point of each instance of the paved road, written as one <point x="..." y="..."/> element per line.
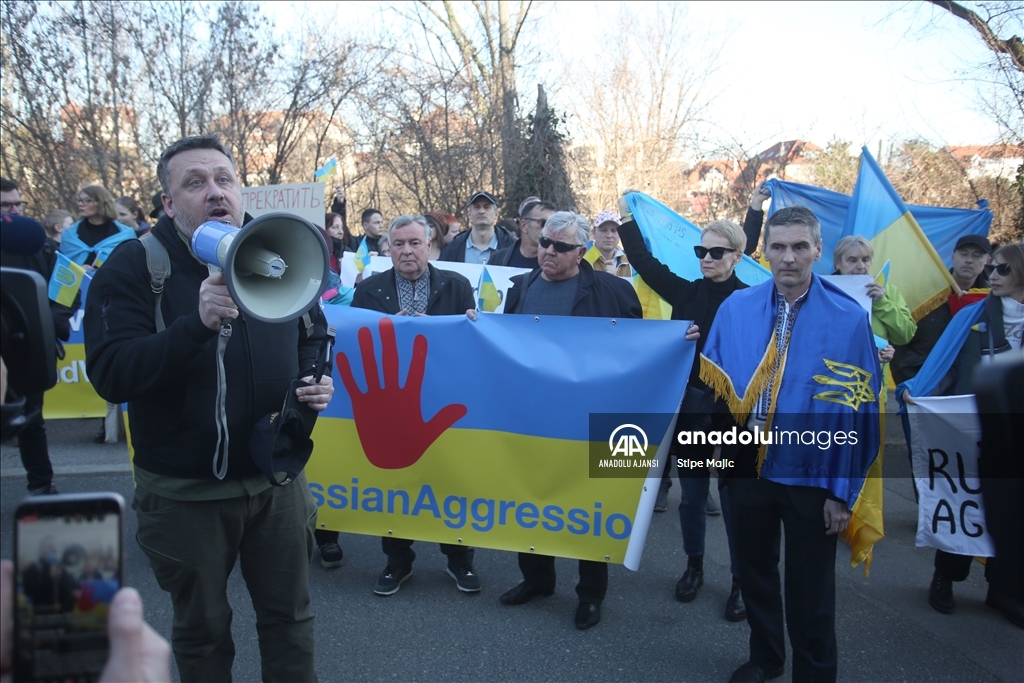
<point x="429" y="631"/>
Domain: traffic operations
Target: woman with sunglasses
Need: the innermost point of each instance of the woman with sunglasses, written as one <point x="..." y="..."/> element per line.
<point x="90" y="241"/>
<point x="890" y="316"/>
<point x="721" y="247"/>
<point x="977" y="334"/>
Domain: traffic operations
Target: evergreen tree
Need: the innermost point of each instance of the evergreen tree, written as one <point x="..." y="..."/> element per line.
<point x="542" y="167"/>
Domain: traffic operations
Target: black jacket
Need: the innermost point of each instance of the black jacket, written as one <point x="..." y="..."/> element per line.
<point x="456" y="250"/>
<point x="909" y="358"/>
<point x="959" y="378"/>
<point x="169" y="379"/>
<point x="501" y="257"/>
<point x="696" y="300"/>
<point x="450" y="293"/>
<point x="599" y="295"/>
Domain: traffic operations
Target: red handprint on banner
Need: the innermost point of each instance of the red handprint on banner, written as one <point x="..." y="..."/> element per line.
<point x="389" y="418"/>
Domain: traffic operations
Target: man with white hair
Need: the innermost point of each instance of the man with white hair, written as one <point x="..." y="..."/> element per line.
<point x="565" y="284"/>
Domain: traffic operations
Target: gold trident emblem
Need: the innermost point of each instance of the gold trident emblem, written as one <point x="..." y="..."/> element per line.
<point x="856" y="390"/>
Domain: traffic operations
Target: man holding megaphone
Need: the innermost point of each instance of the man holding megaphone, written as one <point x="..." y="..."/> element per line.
<point x="204" y="358"/>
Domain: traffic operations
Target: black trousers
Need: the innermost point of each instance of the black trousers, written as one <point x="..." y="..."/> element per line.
<point x="540" y="571"/>
<point x="760" y="508"/>
<point x="952" y="566"/>
<point x="35" y="456"/>
<point x="400" y="552"/>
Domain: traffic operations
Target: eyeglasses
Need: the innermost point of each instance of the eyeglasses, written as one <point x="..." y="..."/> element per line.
<point x="716" y="252"/>
<point x="8" y="206"/>
<point x="1001" y="268"/>
<point x="88" y="200"/>
<point x="540" y="221"/>
<point x="560" y="247"/>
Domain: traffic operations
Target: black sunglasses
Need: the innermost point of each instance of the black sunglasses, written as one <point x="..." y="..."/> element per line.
<point x="1001" y="268"/>
<point x="560" y="247"/>
<point x="716" y="252"/>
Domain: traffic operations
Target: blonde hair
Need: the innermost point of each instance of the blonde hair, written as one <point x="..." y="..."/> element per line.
<point x="104" y="199"/>
<point x="847" y="244"/>
<point x="730" y="231"/>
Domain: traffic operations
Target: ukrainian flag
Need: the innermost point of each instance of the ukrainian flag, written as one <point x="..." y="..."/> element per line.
<point x="362" y="256"/>
<point x="65" y="281"/>
<point x="489" y="297"/>
<point x="592" y="253"/>
<point x="878" y="213"/>
<point x="418" y="444"/>
<point x="326" y="171"/>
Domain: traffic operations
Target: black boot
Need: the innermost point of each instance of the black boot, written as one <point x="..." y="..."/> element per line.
<point x="735" y="609"/>
<point x="693" y="579"/>
<point x="940" y="594"/>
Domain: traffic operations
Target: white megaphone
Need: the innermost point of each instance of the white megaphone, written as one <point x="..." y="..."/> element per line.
<point x="276" y="267"/>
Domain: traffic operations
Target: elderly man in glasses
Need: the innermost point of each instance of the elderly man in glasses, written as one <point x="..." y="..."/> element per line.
<point x="722" y="244"/>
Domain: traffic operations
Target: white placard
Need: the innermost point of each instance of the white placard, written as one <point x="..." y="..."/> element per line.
<point x="944" y="436"/>
<point x="301" y="199"/>
<point x="855" y="286"/>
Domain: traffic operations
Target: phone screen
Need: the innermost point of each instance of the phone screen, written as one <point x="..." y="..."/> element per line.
<point x="69" y="564"/>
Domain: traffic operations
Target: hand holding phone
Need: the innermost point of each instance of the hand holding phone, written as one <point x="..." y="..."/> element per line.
<point x="68" y="566"/>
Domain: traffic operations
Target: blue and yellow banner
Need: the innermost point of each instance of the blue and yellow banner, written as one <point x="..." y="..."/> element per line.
<point x="478" y="433"/>
<point x="73" y="395"/>
<point x="326" y="171"/>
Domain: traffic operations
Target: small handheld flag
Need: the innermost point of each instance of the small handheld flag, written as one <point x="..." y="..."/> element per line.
<point x="592" y="253"/>
<point x="362" y="256"/>
<point x="65" y="281"/>
<point x="489" y="298"/>
<point x="883" y="274"/>
<point x="326" y="171"/>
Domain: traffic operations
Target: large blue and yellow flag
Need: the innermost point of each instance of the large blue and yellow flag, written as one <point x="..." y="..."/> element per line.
<point x="942" y="226"/>
<point x="72" y="246"/>
<point x="417" y="444"/>
<point x="824" y="418"/>
<point x="65" y="281"/>
<point x="878" y="213"/>
<point x="671" y="238"/>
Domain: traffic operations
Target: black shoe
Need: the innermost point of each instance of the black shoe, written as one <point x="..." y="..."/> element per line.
<point x="661" y="502"/>
<point x="752" y="673"/>
<point x="689" y="585"/>
<point x="48" y="490"/>
<point x="712" y="509"/>
<point x="940" y="594"/>
<point x="523" y="593"/>
<point x="1012" y="611"/>
<point x="735" y="609"/>
<point x="391" y="579"/>
<point x="466" y="579"/>
<point x="587" y="615"/>
<point x="330" y="555"/>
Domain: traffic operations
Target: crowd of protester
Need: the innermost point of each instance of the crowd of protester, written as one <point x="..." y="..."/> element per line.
<point x="553" y="244"/>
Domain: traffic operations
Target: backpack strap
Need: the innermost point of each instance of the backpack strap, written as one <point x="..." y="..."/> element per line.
<point x="159" y="264"/>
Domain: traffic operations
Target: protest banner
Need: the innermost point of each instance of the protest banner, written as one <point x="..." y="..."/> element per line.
<point x="73" y="395"/>
<point x="944" y="436"/>
<point x="302" y="199"/>
<point x="499" y="462"/>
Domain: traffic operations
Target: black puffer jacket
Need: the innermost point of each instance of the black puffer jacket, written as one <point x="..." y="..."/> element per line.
<point x="169" y="379"/>
<point x="456" y="250"/>
<point x="450" y="293"/>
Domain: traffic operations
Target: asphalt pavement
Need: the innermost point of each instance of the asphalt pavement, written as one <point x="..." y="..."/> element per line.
<point x="429" y="631"/>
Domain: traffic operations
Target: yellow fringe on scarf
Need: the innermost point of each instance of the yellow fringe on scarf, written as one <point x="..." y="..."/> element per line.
<point x="720" y="383"/>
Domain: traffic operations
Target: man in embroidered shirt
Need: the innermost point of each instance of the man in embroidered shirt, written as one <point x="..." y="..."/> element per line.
<point x="414" y="287"/>
<point x="803" y="357"/>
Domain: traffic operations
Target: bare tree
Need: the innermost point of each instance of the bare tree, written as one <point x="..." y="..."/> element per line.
<point x="640" y="112"/>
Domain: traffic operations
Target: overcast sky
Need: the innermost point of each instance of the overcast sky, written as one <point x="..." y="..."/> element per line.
<point x="864" y="72"/>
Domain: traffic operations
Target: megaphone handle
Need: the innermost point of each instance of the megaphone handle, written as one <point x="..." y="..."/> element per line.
<point x="323" y="364"/>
